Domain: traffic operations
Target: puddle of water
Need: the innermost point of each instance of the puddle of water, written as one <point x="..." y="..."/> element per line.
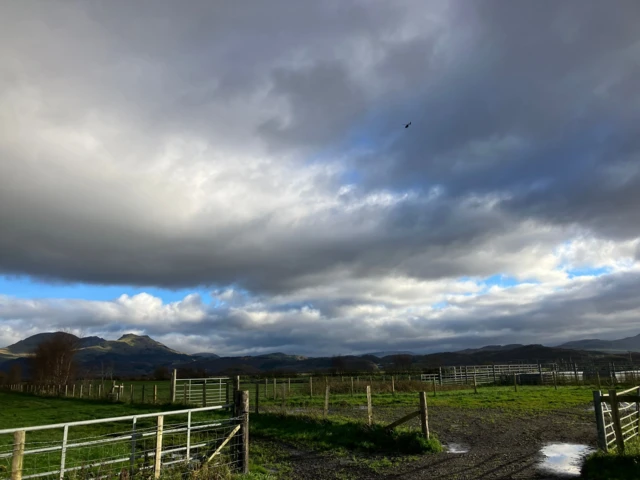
<point x="564" y="458"/>
<point x="456" y="448"/>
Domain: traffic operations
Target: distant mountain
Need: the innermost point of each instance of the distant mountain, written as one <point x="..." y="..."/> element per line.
<point x="386" y="354"/>
<point x="205" y="355"/>
<point x="491" y="348"/>
<point x="622" y="345"/>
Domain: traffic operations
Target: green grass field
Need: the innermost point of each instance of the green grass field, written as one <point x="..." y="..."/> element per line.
<point x="337" y="434"/>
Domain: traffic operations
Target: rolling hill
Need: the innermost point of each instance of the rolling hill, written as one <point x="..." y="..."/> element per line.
<point x="622" y="345"/>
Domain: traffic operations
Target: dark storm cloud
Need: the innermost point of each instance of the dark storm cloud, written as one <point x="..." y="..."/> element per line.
<point x="261" y="145"/>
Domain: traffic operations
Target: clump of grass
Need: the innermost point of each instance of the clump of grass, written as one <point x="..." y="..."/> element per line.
<point x="613" y="466"/>
<point x="341" y="434"/>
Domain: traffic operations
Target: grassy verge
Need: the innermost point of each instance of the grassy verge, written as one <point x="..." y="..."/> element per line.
<point x="340" y="434"/>
<point x="611" y="466"/>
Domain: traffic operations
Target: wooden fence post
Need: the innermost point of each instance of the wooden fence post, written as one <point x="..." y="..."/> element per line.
<point x="434" y="386"/>
<point x="242" y="410"/>
<point x="352" y="386"/>
<point x="575" y="373"/>
<point x="158" y="457"/>
<point x="100" y="390"/>
<point x="440" y="375"/>
<point x="369" y="406"/>
<point x="155" y="394"/>
<point x="602" y="435"/>
<point x="494" y="373"/>
<point x="424" y="417"/>
<point x="257" y="408"/>
<point x="393" y="386"/>
<point x="615" y="416"/>
<point x="18" y="454"/>
<point x="515" y="382"/>
<point x="326" y="400"/>
<point x="81" y="385"/>
<point x="174" y="379"/>
<point x="284" y="395"/>
<point x="184" y="394"/>
<point x="311" y="386"/>
<point x="204" y="393"/>
<point x="555" y="380"/>
<point x="540" y="372"/>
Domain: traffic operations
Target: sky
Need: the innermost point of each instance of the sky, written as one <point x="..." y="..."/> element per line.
<point x="235" y="177"/>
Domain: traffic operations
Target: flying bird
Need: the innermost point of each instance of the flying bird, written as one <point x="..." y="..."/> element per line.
<point x="407" y="125"/>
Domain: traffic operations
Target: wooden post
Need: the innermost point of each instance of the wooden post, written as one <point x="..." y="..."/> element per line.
<point x="81" y="385"/>
<point x="184" y="394"/>
<point x="602" y="436"/>
<point x="155" y="394"/>
<point x="494" y="373"/>
<point x="284" y="395"/>
<point x="311" y="387"/>
<point x="352" y="386"/>
<point x="575" y="373"/>
<point x="174" y="379"/>
<point x="540" y="372"/>
<point x="393" y="386"/>
<point x="369" y="407"/>
<point x="555" y="380"/>
<point x="236" y="384"/>
<point x="615" y="417"/>
<point x="475" y="383"/>
<point x="242" y="410"/>
<point x="440" y="375"/>
<point x="158" y="457"/>
<point x="18" y="454"/>
<point x="434" y="386"/>
<point x="326" y="400"/>
<point x="424" y="417"/>
<point x="257" y="408"/>
<point x="100" y="390"/>
<point x="466" y="375"/>
<point x="204" y="393"/>
<point x="515" y="382"/>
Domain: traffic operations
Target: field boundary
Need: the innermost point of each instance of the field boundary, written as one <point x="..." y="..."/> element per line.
<point x="132" y="444"/>
<point x="617" y="417"/>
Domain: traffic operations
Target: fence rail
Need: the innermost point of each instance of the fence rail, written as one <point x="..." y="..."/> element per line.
<point x="617" y="417"/>
<point x="131" y="445"/>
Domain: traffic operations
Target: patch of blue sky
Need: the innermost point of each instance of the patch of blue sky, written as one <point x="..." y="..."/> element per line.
<point x="27" y="287"/>
<point x="587" y="271"/>
<point x="440" y="305"/>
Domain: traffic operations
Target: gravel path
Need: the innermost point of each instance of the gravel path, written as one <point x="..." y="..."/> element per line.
<point x="500" y="446"/>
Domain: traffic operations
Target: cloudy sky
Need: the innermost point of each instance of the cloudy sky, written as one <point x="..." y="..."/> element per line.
<point x="236" y="176"/>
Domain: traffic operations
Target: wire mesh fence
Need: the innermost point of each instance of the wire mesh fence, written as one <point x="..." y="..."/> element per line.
<point x="137" y="446"/>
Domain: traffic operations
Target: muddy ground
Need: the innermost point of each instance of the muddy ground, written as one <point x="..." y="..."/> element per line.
<point x="501" y="445"/>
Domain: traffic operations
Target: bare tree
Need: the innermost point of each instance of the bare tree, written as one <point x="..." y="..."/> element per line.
<point x="402" y="362"/>
<point x="338" y="364"/>
<point x="53" y="360"/>
<point x="15" y="374"/>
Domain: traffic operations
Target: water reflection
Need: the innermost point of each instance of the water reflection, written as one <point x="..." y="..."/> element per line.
<point x="456" y="448"/>
<point x="564" y="458"/>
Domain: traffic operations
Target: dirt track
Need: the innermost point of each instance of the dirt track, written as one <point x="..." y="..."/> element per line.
<point x="501" y="446"/>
